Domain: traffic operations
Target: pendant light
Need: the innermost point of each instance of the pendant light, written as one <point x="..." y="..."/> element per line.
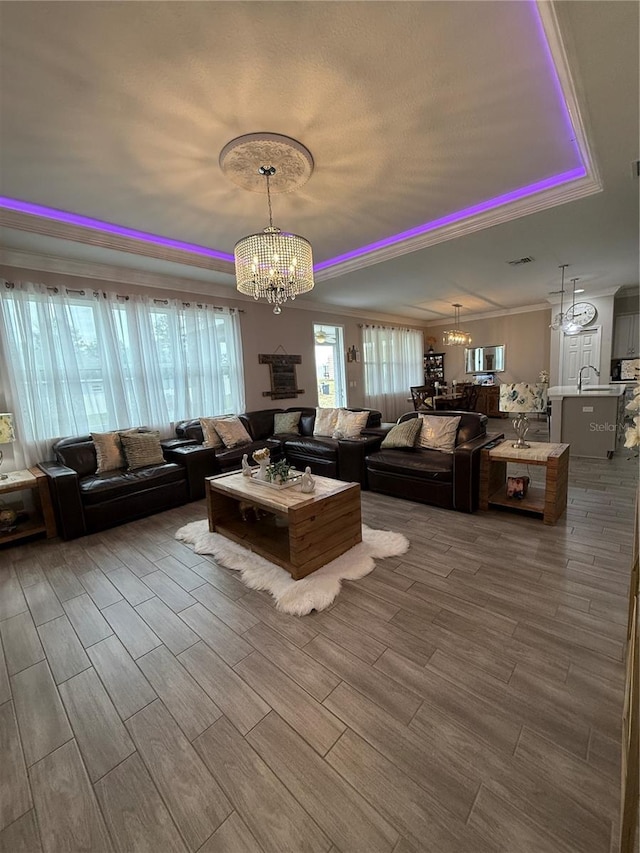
<point x="454" y="337"/>
<point x="273" y="264"/>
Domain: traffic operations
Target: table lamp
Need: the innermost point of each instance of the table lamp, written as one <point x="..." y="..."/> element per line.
<point x="520" y="398"/>
<point x="7" y="435"/>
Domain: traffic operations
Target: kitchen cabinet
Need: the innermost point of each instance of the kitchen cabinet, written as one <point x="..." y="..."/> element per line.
<point x="590" y="420"/>
<point x="625" y="336"/>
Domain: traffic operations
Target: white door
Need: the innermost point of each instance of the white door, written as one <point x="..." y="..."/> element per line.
<point x="577" y="351"/>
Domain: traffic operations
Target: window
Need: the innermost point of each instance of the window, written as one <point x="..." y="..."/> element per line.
<point x="76" y="363"/>
<point x="330" y="369"/>
<point x="392" y="364"/>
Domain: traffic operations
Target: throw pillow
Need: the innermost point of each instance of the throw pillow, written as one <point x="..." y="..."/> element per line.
<point x="438" y="433"/>
<point x="108" y="451"/>
<point x="211" y="437"/>
<point x="404" y="434"/>
<point x="350" y="424"/>
<point x="325" y="422"/>
<point x="286" y="422"/>
<point x="232" y="432"/>
<point x="142" y="449"/>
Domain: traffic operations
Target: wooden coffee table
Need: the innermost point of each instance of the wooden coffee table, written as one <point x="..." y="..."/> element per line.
<point x="300" y="532"/>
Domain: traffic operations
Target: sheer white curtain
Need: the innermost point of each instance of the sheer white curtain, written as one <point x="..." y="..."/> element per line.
<point x="74" y="362"/>
<point x="392" y="360"/>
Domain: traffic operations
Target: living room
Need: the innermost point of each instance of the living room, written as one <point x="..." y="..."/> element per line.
<point x="468" y="693"/>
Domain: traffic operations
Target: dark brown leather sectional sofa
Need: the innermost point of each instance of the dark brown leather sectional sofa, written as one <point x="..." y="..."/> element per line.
<point x="449" y="480"/>
<point x="342" y="459"/>
<point x="86" y="502"/>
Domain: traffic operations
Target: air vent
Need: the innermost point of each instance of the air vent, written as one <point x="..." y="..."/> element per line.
<point x="635" y="168"/>
<point x="520" y="261"/>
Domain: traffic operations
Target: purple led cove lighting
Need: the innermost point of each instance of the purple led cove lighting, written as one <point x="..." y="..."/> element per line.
<point x="544" y="42"/>
<point x="98" y="225"/>
<point x="491" y="204"/>
<point x="515" y="195"/>
<point x="500" y="200"/>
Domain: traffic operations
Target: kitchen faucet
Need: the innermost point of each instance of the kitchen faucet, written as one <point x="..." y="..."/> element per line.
<point x="586" y="367"/>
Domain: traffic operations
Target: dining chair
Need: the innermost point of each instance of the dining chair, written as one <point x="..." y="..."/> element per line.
<point x="422" y="397"/>
<point x="466" y="402"/>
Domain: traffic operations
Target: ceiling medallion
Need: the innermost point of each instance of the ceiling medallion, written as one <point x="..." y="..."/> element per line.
<point x="272" y="265"/>
<point x="241" y="159"/>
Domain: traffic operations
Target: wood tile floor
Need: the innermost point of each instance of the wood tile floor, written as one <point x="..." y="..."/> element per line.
<point x="463" y="697"/>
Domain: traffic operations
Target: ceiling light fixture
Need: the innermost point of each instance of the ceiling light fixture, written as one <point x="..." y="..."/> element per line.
<point x="570" y="326"/>
<point x="563" y="322"/>
<point x="272" y="265"/>
<point x="321" y="337"/>
<point x="454" y="337"/>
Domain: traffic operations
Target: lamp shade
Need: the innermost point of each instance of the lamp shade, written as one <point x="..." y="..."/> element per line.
<point x="7" y="434"/>
<point x="523" y="397"/>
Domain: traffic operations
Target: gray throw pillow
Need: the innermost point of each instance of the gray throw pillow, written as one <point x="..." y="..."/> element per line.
<point x="403" y="435"/>
<point x="286" y="422"/>
<point x="142" y="449"/>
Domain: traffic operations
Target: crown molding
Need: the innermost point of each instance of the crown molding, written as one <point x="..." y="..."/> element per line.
<point x="488" y="315"/>
<point x="108" y="272"/>
<point x="107" y="240"/>
<point x="477" y="222"/>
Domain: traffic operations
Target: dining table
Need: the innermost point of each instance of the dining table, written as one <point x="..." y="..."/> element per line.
<point x="447" y="401"/>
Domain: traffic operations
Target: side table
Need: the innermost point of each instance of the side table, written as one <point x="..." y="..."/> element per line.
<point x="43" y="519"/>
<point x="550" y="502"/>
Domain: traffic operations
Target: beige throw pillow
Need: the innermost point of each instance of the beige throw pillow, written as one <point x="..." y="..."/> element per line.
<point x="211" y="437"/>
<point x="109" y="453"/>
<point x="325" y="422"/>
<point x="403" y="435"/>
<point x="350" y="424"/>
<point x="232" y="432"/>
<point x="142" y="449"/>
<point x="438" y="433"/>
<point x="284" y="422"/>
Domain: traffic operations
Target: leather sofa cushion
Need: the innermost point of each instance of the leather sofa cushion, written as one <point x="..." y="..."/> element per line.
<point x="97" y="488"/>
<point x="78" y="453"/>
<point x="430" y="464"/>
<point x="320" y="448"/>
<point x="259" y="424"/>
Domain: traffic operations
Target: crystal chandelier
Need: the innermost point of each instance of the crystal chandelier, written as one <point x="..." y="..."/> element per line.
<point x="564" y="322"/>
<point x="273" y="264"/>
<point x="454" y="337"/>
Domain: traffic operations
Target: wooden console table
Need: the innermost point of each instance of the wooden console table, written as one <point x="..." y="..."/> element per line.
<point x="43" y="519"/>
<point x="550" y="502"/>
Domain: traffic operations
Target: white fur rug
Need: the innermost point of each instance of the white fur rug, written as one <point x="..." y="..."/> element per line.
<point x="317" y="590"/>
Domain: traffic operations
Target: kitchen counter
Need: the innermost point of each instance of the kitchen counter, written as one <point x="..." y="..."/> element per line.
<point x="612" y="390"/>
<point x="591" y="420"/>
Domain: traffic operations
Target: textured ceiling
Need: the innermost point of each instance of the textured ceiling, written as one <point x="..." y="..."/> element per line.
<point x="412" y="111"/>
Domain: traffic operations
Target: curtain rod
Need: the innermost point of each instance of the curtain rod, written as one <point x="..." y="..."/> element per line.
<point x="10" y="285"/>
